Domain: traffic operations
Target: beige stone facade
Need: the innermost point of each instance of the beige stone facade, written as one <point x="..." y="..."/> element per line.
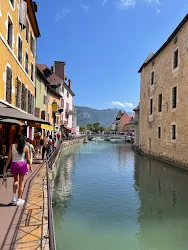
<point x="164" y="99"/>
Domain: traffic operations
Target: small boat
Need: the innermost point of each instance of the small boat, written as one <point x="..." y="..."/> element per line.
<point x="116" y="140"/>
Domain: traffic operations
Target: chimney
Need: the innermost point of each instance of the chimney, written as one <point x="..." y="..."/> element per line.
<point x="59" y="69"/>
<point x="70" y="84"/>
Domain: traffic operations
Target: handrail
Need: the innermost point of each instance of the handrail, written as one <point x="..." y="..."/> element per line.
<point x="51" y="234"/>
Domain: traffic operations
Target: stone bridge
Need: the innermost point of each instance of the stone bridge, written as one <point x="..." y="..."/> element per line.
<point x="107" y="137"/>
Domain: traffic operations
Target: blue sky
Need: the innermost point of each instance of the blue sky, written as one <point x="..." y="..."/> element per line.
<point x="104" y="42"/>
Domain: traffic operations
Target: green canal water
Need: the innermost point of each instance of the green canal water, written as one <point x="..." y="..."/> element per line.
<point x="109" y="198"/>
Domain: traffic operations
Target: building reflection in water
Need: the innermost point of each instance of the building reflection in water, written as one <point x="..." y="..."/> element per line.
<point x="163" y="209"/>
<point x="62" y="188"/>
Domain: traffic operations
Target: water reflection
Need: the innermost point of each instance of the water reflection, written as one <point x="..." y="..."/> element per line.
<point x="107" y="197"/>
<point x="163" y="214"/>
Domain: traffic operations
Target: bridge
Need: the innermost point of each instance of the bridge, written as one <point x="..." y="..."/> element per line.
<point x="107" y="137"/>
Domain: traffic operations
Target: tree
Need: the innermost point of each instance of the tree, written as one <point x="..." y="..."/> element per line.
<point x="96" y="127"/>
<point x="82" y="130"/>
<point x="90" y="127"/>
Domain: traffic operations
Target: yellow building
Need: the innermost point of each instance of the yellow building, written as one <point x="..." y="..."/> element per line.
<point x="18" y="33"/>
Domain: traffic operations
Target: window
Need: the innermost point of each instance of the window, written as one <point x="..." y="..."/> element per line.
<point x="29" y="102"/>
<point x="23" y="98"/>
<point x="174" y="97"/>
<point x="32" y="70"/>
<point x="45" y="101"/>
<point x="19" y="50"/>
<point x="12" y="2"/>
<point x="10" y="33"/>
<point x="151" y="107"/>
<point x="62" y="89"/>
<point x="175" y="60"/>
<point x="32" y="44"/>
<point x="9" y="85"/>
<point x="26" y="62"/>
<point x="160" y="100"/>
<point x="173" y="132"/>
<point x="27" y="31"/>
<point x="62" y="103"/>
<point x="67" y="106"/>
<point x="152" y="78"/>
<point x="159" y="132"/>
<point x="67" y="94"/>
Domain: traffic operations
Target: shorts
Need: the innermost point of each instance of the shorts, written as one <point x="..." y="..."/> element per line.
<point x="19" y="167"/>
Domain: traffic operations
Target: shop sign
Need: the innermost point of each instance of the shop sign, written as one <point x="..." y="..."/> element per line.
<point x="54" y="106"/>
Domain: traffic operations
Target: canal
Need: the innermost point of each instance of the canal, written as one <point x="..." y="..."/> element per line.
<point x="107" y="198"/>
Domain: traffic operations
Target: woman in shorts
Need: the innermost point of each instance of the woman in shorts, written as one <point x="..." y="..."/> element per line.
<point x="18" y="167"/>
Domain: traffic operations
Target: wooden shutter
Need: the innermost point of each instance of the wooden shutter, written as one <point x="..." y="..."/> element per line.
<point x="23" y="98"/>
<point x="23" y="13"/>
<point x="19" y="93"/>
<point x="32" y="104"/>
<point x="9" y="85"/>
<point x="19" y="50"/>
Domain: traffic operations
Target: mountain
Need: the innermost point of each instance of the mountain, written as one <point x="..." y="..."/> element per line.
<point x="87" y="115"/>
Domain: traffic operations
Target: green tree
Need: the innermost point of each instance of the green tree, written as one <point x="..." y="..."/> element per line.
<point x="82" y="130"/>
<point x="96" y="127"/>
<point x="90" y="127"/>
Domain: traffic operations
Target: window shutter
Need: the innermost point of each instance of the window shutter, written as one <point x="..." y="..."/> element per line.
<point x="9" y="86"/>
<point x="23" y="98"/>
<point x="32" y="104"/>
<point x="23" y="13"/>
<point x="19" y="92"/>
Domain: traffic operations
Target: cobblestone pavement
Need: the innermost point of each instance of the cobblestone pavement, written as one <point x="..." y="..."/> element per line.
<point x="25" y="227"/>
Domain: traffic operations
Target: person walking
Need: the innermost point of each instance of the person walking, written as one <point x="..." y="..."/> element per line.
<point x="45" y="145"/>
<point x="18" y="167"/>
<point x="50" y="147"/>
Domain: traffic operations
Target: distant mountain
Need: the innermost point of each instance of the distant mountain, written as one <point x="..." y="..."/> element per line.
<point x="87" y="115"/>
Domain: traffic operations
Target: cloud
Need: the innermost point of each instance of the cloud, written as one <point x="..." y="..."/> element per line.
<point x="104" y="2"/>
<point x="86" y="8"/>
<point x="125" y="4"/>
<point x="122" y="104"/>
<point x="61" y="14"/>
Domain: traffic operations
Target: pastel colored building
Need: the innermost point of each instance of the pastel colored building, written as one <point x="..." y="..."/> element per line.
<point x="18" y="35"/>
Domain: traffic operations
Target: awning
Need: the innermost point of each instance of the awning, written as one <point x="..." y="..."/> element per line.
<point x="12" y="121"/>
<point x="44" y="126"/>
<point x="8" y="112"/>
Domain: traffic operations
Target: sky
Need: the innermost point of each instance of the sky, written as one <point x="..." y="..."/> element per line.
<point x="104" y="43"/>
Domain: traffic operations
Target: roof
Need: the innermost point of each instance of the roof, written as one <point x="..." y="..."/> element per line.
<point x="53" y="79"/>
<point x="137" y="108"/>
<point x="185" y="19"/>
<point x="12" y="113"/>
<point x="31" y="10"/>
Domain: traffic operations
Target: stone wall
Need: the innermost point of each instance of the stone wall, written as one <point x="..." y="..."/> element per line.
<point x="165" y="79"/>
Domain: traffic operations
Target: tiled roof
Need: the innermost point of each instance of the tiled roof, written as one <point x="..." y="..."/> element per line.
<point x="53" y="79"/>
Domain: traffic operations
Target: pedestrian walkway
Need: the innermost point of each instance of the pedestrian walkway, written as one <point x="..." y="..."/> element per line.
<point x="22" y="227"/>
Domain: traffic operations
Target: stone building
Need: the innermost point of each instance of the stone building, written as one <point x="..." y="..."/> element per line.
<point x="163" y="99"/>
<point x="136" y="127"/>
<point x="122" y="119"/>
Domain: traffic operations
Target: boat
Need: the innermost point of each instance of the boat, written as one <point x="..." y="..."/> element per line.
<point x="116" y="140"/>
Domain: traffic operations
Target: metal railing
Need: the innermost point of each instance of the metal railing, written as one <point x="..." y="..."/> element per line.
<point x="50" y="159"/>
